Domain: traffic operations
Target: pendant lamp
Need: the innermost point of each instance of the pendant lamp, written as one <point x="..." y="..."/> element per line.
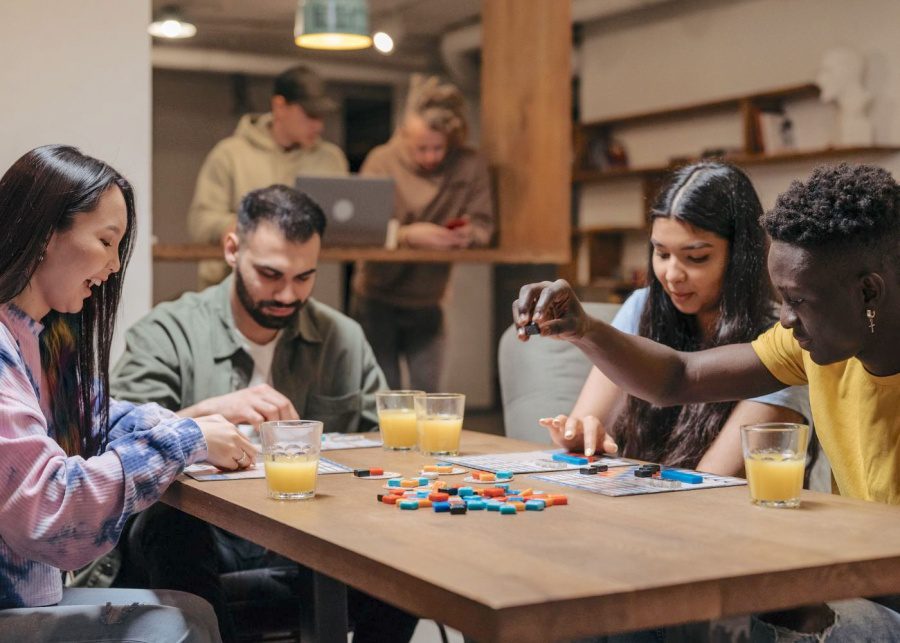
<point x="332" y="24"/>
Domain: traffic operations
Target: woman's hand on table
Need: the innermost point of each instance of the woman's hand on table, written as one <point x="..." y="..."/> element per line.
<point x="574" y="433"/>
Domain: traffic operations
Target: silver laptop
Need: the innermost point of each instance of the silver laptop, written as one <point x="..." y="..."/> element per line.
<point x="357" y="209"/>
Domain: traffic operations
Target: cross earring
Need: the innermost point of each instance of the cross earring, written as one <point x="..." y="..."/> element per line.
<point x="871" y="315"/>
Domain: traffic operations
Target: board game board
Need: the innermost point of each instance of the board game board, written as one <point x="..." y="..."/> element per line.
<point x="526" y="461"/>
<point x="205" y="472"/>
<point x="334" y="441"/>
<point x="330" y="441"/>
<point x="621" y="481"/>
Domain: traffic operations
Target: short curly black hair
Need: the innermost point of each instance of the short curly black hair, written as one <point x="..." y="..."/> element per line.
<point x="837" y="205"/>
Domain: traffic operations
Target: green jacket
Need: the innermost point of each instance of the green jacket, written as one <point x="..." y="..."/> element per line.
<point x="188" y="350"/>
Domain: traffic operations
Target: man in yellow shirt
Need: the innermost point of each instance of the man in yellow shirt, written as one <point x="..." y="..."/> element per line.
<point x="835" y="260"/>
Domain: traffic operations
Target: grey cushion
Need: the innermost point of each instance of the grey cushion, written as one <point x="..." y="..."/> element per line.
<point x="541" y="378"/>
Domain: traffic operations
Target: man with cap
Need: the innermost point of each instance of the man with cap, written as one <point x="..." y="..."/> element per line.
<point x="265" y="149"/>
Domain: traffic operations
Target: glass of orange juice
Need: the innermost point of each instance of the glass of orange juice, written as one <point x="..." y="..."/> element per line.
<point x="774" y="458"/>
<point x="291" y="457"/>
<point x="397" y="419"/>
<point x="439" y="422"/>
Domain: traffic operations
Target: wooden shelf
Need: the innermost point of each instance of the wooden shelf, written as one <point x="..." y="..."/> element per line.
<point x="198" y="252"/>
<point x="795" y="91"/>
<point x="741" y="160"/>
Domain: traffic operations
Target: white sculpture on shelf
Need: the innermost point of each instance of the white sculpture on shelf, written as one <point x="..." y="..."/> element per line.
<point x="840" y="80"/>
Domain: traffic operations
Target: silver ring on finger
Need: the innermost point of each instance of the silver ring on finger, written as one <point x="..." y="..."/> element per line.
<point x="240" y="461"/>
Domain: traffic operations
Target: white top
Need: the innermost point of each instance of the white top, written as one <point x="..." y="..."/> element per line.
<point x="262" y="355"/>
<point x="628" y="320"/>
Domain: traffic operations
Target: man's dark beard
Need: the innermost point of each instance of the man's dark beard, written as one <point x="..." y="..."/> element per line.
<point x="254" y="309"/>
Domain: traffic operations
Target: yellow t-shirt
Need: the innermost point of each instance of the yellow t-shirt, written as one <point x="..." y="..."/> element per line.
<point x="857" y="415"/>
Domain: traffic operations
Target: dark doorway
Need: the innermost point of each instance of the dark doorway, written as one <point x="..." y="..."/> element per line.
<point x="367" y="123"/>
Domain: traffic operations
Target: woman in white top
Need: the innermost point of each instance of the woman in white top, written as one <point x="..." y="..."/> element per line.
<point x="709" y="287"/>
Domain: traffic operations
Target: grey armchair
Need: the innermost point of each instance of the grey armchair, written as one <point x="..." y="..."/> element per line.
<point x="541" y="378"/>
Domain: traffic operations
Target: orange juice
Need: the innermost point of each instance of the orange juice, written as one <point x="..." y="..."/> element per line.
<point x="439" y="435"/>
<point x="398" y="428"/>
<point x="291" y="477"/>
<point x="775" y="478"/>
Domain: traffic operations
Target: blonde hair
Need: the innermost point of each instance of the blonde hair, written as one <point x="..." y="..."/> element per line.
<point x="440" y="105"/>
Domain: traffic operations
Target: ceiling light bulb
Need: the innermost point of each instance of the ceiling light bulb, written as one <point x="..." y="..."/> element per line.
<point x="383" y="42"/>
<point x="170" y="24"/>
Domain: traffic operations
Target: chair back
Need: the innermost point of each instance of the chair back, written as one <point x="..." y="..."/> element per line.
<point x="541" y="377"/>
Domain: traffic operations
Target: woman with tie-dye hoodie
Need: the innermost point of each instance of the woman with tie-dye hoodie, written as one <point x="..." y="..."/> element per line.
<point x="74" y="465"/>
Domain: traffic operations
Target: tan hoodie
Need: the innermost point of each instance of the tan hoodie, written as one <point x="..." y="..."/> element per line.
<point x="459" y="186"/>
<point x="247" y="160"/>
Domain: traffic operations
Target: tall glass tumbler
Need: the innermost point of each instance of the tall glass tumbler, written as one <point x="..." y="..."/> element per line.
<point x="440" y="417"/>
<point x="397" y="419"/>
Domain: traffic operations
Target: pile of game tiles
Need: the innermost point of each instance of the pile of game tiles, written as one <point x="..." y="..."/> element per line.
<point x="443" y="498"/>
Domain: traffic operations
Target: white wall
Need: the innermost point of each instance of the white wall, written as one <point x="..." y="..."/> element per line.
<point x="79" y="73"/>
<point x="702" y="50"/>
<point x="667" y="57"/>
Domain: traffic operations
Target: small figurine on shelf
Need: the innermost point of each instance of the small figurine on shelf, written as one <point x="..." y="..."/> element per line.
<point x="605" y="153"/>
<point x="776" y="130"/>
<point x="840" y="80"/>
<point x="616" y="155"/>
<point x="786" y="132"/>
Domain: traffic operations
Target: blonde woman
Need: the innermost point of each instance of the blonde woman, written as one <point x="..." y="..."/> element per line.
<point x="442" y="202"/>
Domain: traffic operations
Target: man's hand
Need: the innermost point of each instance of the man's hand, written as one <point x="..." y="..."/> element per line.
<point x="226" y="447"/>
<point x="555" y="309"/>
<point x="573" y="433"/>
<point x="260" y="403"/>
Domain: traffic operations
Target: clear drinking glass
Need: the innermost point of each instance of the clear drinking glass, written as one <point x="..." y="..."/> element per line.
<point x="775" y="458"/>
<point x="397" y="419"/>
<point x="291" y="456"/>
<point x="439" y="422"/>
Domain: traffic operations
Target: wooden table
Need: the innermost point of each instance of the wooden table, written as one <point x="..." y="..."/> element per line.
<point x="599" y="565"/>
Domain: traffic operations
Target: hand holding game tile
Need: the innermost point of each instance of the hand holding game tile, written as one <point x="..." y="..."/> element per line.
<point x="554" y="307"/>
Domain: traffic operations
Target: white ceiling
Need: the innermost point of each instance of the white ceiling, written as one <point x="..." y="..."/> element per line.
<point x="266" y="27"/>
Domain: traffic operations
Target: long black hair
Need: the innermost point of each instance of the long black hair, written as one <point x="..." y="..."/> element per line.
<point x="41" y="194"/>
<point x="718" y="198"/>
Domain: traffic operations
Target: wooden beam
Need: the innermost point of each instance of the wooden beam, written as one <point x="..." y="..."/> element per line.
<point x="526" y="121"/>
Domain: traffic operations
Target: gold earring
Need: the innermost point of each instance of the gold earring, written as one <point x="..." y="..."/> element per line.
<point x="871" y="315"/>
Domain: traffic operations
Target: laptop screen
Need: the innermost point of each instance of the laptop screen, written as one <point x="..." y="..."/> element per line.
<point x="357" y="209"/>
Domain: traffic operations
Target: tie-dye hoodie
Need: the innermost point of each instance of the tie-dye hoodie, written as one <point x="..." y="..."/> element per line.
<point x="60" y="512"/>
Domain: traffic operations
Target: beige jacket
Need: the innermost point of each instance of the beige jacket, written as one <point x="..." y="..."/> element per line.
<point x="461" y="185"/>
<point x="247" y="160"/>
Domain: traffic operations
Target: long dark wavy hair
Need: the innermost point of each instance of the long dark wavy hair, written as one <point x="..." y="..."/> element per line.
<point x="41" y="194"/>
<point x="718" y="198"/>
